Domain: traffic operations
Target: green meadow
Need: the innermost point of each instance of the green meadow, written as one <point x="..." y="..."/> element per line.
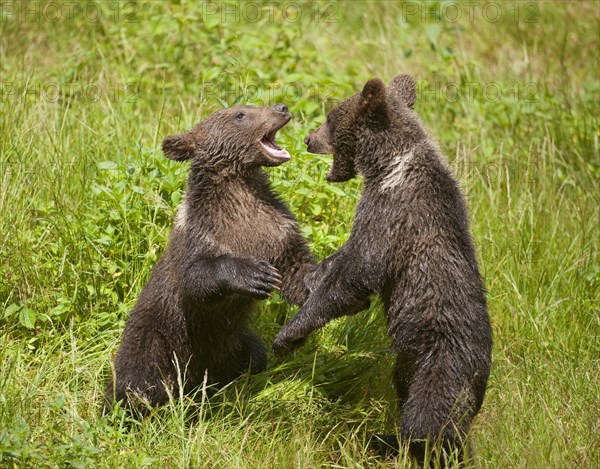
<point x="510" y="90"/>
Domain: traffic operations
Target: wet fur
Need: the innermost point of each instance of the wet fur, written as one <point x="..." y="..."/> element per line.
<point x="410" y="244"/>
<point x="232" y="243"/>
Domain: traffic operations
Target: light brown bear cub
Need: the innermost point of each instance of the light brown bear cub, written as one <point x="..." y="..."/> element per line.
<point x="233" y="242"/>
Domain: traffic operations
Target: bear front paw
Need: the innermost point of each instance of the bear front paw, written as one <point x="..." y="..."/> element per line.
<point x="290" y="337"/>
<point x="283" y="346"/>
<point x="256" y="279"/>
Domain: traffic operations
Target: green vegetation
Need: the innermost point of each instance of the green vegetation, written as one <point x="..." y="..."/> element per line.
<point x="86" y="203"/>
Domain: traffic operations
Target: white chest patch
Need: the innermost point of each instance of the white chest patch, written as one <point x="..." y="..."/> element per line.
<point x="181" y="218"/>
<point x="182" y="222"/>
<point x="396" y="170"/>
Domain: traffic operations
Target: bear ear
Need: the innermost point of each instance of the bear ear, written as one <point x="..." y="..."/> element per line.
<point x="372" y="101"/>
<point x="179" y="147"/>
<point x="404" y="88"/>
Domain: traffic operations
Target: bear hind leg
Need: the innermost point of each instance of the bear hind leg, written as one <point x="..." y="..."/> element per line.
<point x="437" y="415"/>
<point x="250" y="357"/>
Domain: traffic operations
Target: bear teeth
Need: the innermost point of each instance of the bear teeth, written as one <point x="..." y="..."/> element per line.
<point x="274" y="150"/>
<point x="269" y="140"/>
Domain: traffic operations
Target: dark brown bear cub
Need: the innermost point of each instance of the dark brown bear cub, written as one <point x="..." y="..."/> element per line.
<point x="411" y="244"/>
<point x="233" y="242"/>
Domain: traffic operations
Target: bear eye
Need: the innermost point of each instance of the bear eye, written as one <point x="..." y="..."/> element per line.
<point x="240" y="115"/>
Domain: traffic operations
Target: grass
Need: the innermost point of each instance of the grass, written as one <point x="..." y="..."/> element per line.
<point x="87" y="200"/>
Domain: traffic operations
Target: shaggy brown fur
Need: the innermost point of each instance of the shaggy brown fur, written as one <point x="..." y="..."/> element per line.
<point x="411" y="244"/>
<point x="232" y="243"/>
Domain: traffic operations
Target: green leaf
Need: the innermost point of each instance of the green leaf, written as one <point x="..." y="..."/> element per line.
<point x="27" y="318"/>
<point x="59" y="310"/>
<point x="305" y="177"/>
<point x="336" y="190"/>
<point x="11" y="310"/>
<point x="176" y="197"/>
<point x="107" y="165"/>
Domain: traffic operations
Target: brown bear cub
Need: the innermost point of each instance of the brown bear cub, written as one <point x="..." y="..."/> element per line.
<point x="233" y="242"/>
<point x="410" y="243"/>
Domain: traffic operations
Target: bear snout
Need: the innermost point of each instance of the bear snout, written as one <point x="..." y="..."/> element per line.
<point x="319" y="141"/>
<point x="318" y="145"/>
<point x="282" y="108"/>
<point x="314" y="146"/>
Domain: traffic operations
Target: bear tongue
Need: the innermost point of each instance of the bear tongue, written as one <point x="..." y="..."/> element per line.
<point x="275" y="151"/>
<point x="268" y="143"/>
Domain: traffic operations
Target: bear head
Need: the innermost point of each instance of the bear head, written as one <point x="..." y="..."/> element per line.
<point x="364" y="121"/>
<point x="236" y="138"/>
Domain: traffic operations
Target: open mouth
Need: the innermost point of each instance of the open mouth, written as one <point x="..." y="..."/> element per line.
<point x="271" y="148"/>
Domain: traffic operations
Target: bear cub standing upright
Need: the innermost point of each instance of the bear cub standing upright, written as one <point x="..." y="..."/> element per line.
<point x="232" y="243"/>
<point x="411" y="244"/>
